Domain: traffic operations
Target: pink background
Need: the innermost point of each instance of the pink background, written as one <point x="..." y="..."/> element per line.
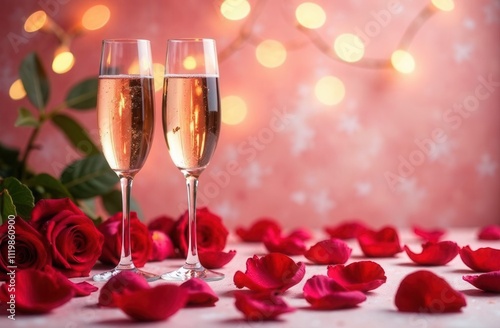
<point x="328" y="163"/>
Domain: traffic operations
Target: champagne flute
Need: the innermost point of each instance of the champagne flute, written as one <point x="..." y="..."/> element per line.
<point x="125" y="114"/>
<point x="191" y="125"/>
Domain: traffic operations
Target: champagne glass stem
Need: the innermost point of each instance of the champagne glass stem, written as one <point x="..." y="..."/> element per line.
<point x="126" y="253"/>
<point x="192" y="260"/>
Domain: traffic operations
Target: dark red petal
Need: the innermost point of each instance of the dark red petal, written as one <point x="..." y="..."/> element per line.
<point x="84" y="288"/>
<point x="274" y="271"/>
<point x="346" y="230"/>
<point x="258" y="229"/>
<point x="482" y="260"/>
<point x="289" y="245"/>
<point x="152" y="304"/>
<point x="301" y="233"/>
<point x="325" y="293"/>
<point x="427" y="234"/>
<point x="491" y="232"/>
<point x="37" y="291"/>
<point x="489" y="282"/>
<point x="263" y="306"/>
<point x="214" y="259"/>
<point x="162" y="223"/>
<point x="330" y="251"/>
<point x="434" y="253"/>
<point x="199" y="292"/>
<point x="381" y="243"/>
<point x="123" y="281"/>
<point x="424" y="291"/>
<point x="362" y="275"/>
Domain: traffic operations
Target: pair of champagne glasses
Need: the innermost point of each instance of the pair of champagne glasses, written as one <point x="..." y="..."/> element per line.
<point x="191" y="124"/>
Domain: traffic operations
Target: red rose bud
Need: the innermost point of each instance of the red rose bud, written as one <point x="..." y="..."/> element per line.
<point x="362" y="275"/>
<point x="346" y="230"/>
<point x="428" y="235"/>
<point x="330" y="251"/>
<point x="140" y="240"/>
<point x="324" y="293"/>
<point x="482" y="260"/>
<point x="199" y="293"/>
<point x="125" y="281"/>
<point x="424" y="291"/>
<point x="490" y="232"/>
<point x="261" y="306"/>
<point x="258" y="229"/>
<point x="162" y="247"/>
<point x="489" y="282"/>
<point x="215" y="259"/>
<point x="382" y="243"/>
<point x="434" y="253"/>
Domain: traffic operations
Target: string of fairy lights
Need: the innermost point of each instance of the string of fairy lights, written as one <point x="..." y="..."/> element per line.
<point x="346" y="48"/>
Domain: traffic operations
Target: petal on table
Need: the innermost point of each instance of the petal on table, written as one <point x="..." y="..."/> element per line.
<point x="490" y="232"/>
<point x="483" y="259"/>
<point x="215" y="259"/>
<point x="346" y="230"/>
<point x="289" y="245"/>
<point x="261" y="306"/>
<point x="433" y="235"/>
<point x="361" y="275"/>
<point x="330" y="251"/>
<point x="199" y="292"/>
<point x="258" y="229"/>
<point x="124" y="281"/>
<point x="381" y="243"/>
<point x="489" y="282"/>
<point x="434" y="253"/>
<point x="325" y="293"/>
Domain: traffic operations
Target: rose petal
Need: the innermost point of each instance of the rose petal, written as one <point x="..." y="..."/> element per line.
<point x="428" y="235"/>
<point x="381" y="243"/>
<point x="330" y="251"/>
<point x="346" y="230"/>
<point x="361" y="275"/>
<point x="123" y="281"/>
<point x="434" y="253"/>
<point x="424" y="291"/>
<point x="274" y="271"/>
<point x="301" y="233"/>
<point x="325" y="293"/>
<point x="482" y="260"/>
<point x="258" y="229"/>
<point x="289" y="245"/>
<point x="162" y="247"/>
<point x="490" y="232"/>
<point x="263" y="306"/>
<point x="84" y="288"/>
<point x="152" y="304"/>
<point x="489" y="282"/>
<point x="162" y="223"/>
<point x="199" y="293"/>
<point x="38" y="291"/>
<point x="215" y="259"/>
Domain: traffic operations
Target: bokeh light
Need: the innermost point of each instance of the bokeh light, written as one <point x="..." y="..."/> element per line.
<point x="35" y="21"/>
<point x="310" y="15"/>
<point x="235" y="9"/>
<point x="403" y="61"/>
<point x="444" y="5"/>
<point x="189" y="63"/>
<point x="95" y="17"/>
<point x="159" y="74"/>
<point x="329" y="90"/>
<point x="63" y="60"/>
<point x="349" y="47"/>
<point x="16" y="90"/>
<point x="270" y="53"/>
<point x="234" y="110"/>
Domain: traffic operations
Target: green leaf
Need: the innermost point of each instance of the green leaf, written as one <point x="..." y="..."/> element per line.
<point x="26" y="118"/>
<point x="89" y="177"/>
<point x="50" y="186"/>
<point x="83" y="95"/>
<point x="21" y="195"/>
<point x="9" y="162"/>
<point x="112" y="203"/>
<point x="76" y="134"/>
<point x="7" y="206"/>
<point x="34" y="80"/>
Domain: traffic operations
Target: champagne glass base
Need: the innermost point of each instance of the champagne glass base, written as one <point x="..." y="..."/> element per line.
<point x="105" y="276"/>
<point x="183" y="274"/>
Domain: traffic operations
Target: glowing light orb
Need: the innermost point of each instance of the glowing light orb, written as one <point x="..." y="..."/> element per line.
<point x="96" y="17"/>
<point x="235" y="9"/>
<point x="444" y="5"/>
<point x="35" y="21"/>
<point x="329" y="90"/>
<point x="189" y="63"/>
<point x="63" y="61"/>
<point x="234" y="110"/>
<point x="403" y="61"/>
<point x="349" y="47"/>
<point x="16" y="90"/>
<point x="310" y="15"/>
<point x="271" y="53"/>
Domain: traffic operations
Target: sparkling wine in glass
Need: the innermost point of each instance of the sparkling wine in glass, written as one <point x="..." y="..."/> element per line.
<point x="125" y="114"/>
<point x="191" y="125"/>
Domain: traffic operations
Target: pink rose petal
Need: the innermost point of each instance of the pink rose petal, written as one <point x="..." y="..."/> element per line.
<point x="325" y="293"/>
<point x="346" y="230"/>
<point x="215" y="259"/>
<point x="330" y="251"/>
<point x="289" y="245"/>
<point x="381" y="243"/>
<point x="262" y="306"/>
<point x="125" y="281"/>
<point x="490" y="232"/>
<point x="162" y="247"/>
<point x="489" y="282"/>
<point x="361" y="275"/>
<point x="258" y="229"/>
<point x="482" y="260"/>
<point x="301" y="233"/>
<point x="434" y="253"/>
<point x="199" y="293"/>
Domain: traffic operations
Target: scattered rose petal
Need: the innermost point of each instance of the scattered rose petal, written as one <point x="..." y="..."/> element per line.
<point x="361" y="275"/>
<point x="84" y="288"/>
<point x="301" y="233"/>
<point x="38" y="291"/>
<point x="434" y="253"/>
<point x="123" y="281"/>
<point x="325" y="293"/>
<point x="428" y="234"/>
<point x="199" y="292"/>
<point x="381" y="243"/>
<point x="482" y="260"/>
<point x="289" y="245"/>
<point x="258" y="229"/>
<point x="330" y="251"/>
<point x="152" y="304"/>
<point x="274" y="271"/>
<point x="490" y="232"/>
<point x="489" y="282"/>
<point x="424" y="291"/>
<point x="215" y="259"/>
<point x="262" y="306"/>
<point x="162" y="247"/>
<point x="346" y="230"/>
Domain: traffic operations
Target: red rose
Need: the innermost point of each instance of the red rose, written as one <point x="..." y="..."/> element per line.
<point x="74" y="241"/>
<point x="211" y="234"/>
<point x="140" y="240"/>
<point x="25" y="242"/>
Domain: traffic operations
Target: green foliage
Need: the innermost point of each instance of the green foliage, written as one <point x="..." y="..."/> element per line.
<point x="17" y="199"/>
<point x="35" y="80"/>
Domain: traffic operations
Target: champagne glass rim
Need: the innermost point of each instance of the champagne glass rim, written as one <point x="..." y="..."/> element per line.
<point x="125" y="40"/>
<point x="191" y="40"/>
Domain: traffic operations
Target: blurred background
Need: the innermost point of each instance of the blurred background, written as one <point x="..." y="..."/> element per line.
<point x="384" y="111"/>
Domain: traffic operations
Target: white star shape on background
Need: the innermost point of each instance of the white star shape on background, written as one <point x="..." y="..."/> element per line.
<point x="469" y="23"/>
<point x="363" y="188"/>
<point x="322" y="202"/>
<point x="254" y="174"/>
<point x="298" y="197"/>
<point x="349" y="124"/>
<point x="486" y="167"/>
<point x="462" y="51"/>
